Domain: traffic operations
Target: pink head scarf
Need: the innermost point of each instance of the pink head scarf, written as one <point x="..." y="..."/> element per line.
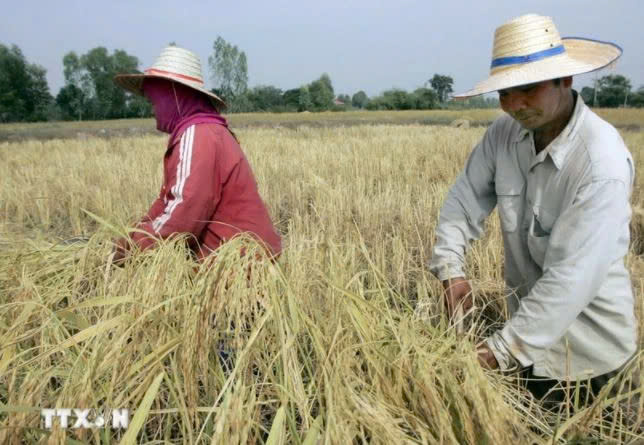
<point x="177" y="106"/>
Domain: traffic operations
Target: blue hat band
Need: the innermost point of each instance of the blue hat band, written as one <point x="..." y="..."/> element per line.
<point x="539" y="55"/>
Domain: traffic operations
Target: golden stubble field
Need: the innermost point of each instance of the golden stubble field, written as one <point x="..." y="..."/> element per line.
<point x="343" y="341"/>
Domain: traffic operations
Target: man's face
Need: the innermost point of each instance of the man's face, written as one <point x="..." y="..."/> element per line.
<point x="537" y="104"/>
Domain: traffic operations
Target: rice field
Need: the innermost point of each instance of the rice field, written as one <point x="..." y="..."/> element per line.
<point x="343" y="340"/>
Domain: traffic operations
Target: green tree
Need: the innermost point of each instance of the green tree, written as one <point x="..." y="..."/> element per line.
<point x="74" y="96"/>
<point x="321" y="91"/>
<point x="122" y="100"/>
<point x="424" y="99"/>
<point x="305" y="102"/>
<point x="69" y="100"/>
<point x="637" y="99"/>
<point x="38" y="92"/>
<point x="109" y="101"/>
<point x="138" y="106"/>
<point x="90" y="91"/>
<point x="378" y="103"/>
<point x="229" y="72"/>
<point x="359" y="99"/>
<point x="393" y="99"/>
<point x="613" y="91"/>
<point x="442" y="85"/>
<point x="24" y="93"/>
<point x="291" y="99"/>
<point x="400" y="99"/>
<point x="474" y="102"/>
<point x="96" y="66"/>
<point x="240" y="78"/>
<point x="266" y="98"/>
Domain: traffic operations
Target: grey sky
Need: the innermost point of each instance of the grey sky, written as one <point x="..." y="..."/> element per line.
<point x="365" y="44"/>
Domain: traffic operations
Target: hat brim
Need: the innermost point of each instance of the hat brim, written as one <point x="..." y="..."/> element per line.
<point x="581" y="56"/>
<point x="134" y="84"/>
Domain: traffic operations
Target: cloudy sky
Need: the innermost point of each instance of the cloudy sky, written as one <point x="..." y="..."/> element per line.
<point x="371" y="45"/>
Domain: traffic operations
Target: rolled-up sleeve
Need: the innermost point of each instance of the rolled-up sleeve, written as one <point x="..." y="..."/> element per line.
<point x="469" y="201"/>
<point x="586" y="239"/>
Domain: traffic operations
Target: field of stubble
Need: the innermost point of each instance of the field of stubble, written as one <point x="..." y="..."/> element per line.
<point x="344" y="340"/>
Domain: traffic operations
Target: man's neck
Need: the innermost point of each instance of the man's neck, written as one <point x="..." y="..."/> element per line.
<point x="546" y="134"/>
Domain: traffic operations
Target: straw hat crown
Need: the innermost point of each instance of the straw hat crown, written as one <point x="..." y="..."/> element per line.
<point x="530" y="49"/>
<point x="176" y="64"/>
<point x="522" y="36"/>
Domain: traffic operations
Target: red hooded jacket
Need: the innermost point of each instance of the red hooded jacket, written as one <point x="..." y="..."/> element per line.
<point x="208" y="191"/>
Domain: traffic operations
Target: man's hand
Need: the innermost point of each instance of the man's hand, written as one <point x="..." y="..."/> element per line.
<point x="486" y="357"/>
<point x="120" y="251"/>
<point x="457" y="292"/>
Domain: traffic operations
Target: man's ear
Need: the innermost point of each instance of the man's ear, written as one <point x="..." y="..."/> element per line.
<point x="567" y="81"/>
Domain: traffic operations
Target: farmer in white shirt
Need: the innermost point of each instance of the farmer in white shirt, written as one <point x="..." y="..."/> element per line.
<point x="561" y="178"/>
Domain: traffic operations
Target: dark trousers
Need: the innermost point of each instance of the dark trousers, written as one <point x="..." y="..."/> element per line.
<point x="553" y="393"/>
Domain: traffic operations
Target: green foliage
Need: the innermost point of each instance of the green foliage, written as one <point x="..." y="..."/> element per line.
<point x="138" y="106"/>
<point x="637" y="99"/>
<point x="425" y="99"/>
<point x="442" y="85"/>
<point x="291" y="99"/>
<point x="38" y="93"/>
<point x="24" y="93"/>
<point x="109" y="100"/>
<point x="70" y="99"/>
<point x="90" y="92"/>
<point x="316" y="96"/>
<point x="397" y="99"/>
<point x="265" y="98"/>
<point x="321" y="91"/>
<point x="78" y="89"/>
<point x="360" y="99"/>
<point x="400" y="99"/>
<point x="612" y="91"/>
<point x="304" y="101"/>
<point x="477" y="102"/>
<point x="394" y="99"/>
<point x="229" y="72"/>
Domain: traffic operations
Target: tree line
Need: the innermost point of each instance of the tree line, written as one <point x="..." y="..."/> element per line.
<point x="613" y="91"/>
<point x="90" y="94"/>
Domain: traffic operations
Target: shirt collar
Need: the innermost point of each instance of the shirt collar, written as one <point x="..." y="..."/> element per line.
<point x="562" y="144"/>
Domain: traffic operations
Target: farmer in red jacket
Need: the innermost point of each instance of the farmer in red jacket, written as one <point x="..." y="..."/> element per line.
<point x="209" y="190"/>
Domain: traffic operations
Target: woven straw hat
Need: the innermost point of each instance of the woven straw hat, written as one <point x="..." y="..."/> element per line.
<point x="528" y="49"/>
<point x="176" y="64"/>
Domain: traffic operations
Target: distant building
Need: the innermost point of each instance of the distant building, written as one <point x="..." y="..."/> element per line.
<point x="337" y="101"/>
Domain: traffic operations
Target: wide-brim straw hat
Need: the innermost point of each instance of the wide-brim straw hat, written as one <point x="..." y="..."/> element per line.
<point x="176" y="64"/>
<point x="528" y="49"/>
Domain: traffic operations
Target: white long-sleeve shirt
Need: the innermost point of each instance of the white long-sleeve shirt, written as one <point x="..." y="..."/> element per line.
<point x="565" y="216"/>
